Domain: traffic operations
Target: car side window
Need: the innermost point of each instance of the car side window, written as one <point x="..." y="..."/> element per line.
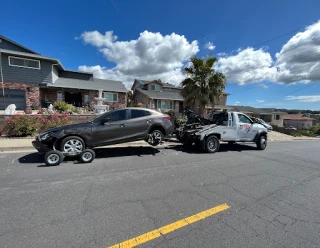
<point x="148" y="113"/>
<point x="244" y="119"/>
<point x="137" y="113"/>
<point x="119" y="115"/>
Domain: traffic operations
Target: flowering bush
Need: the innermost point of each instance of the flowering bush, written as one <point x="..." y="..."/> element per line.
<point x="21" y="126"/>
<point x="25" y="125"/>
<point x="54" y="120"/>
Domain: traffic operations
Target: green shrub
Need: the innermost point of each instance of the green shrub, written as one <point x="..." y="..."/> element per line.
<point x="63" y="107"/>
<point x="22" y="126"/>
<point x="299" y="133"/>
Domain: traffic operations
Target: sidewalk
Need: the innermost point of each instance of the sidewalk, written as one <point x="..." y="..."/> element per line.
<point x="26" y="145"/>
<point x="20" y="144"/>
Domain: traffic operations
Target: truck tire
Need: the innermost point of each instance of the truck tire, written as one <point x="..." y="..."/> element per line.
<point x="262" y="142"/>
<point x="212" y="144"/>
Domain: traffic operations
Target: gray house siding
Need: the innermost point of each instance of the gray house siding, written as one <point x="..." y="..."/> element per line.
<point x="26" y="75"/>
<point x="75" y="75"/>
<point x="7" y="45"/>
<point x="55" y="74"/>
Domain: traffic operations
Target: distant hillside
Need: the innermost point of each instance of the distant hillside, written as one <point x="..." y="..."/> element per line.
<point x="299" y="111"/>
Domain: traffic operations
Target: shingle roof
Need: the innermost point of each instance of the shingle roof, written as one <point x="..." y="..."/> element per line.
<point x="297" y="117"/>
<point x="96" y="84"/>
<point x="166" y="95"/>
<point x="17" y="44"/>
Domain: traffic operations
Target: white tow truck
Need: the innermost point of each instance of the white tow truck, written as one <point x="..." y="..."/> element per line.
<point x="230" y="127"/>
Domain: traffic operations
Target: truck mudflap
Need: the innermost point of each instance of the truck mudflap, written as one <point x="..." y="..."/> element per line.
<point x="259" y="133"/>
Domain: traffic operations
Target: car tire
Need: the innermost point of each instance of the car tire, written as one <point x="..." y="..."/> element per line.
<point x="262" y="142"/>
<point x="212" y="144"/>
<point x="87" y="156"/>
<point x="157" y="137"/>
<point x="72" y="145"/>
<point x="53" y="158"/>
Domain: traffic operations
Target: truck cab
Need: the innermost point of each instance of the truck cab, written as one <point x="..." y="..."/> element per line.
<point x="232" y="127"/>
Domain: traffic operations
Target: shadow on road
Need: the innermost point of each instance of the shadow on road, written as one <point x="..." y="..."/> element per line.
<point x="223" y="148"/>
<point x="35" y="158"/>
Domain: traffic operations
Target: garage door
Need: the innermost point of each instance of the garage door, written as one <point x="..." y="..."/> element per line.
<point x="17" y="97"/>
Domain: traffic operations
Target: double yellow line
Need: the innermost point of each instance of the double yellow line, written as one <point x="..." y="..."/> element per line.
<point x="170" y="228"/>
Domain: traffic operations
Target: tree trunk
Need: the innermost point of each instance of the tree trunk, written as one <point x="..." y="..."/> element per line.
<point x="202" y="111"/>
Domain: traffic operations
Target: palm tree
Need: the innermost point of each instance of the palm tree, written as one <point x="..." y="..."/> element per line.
<point x="203" y="84"/>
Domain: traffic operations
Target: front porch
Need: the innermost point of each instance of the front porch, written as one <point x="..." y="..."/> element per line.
<point x="76" y="97"/>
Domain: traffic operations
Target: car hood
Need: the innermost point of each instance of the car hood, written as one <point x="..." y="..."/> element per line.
<point x="66" y="127"/>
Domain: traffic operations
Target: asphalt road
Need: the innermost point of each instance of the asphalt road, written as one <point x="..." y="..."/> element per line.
<point x="274" y="197"/>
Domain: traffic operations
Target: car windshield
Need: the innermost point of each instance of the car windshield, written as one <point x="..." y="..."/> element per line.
<point x="262" y="121"/>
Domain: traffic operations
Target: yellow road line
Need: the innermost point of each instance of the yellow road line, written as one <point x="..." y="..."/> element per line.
<point x="170" y="228"/>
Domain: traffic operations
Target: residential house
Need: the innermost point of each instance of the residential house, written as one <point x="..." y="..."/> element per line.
<point x="157" y="95"/>
<point x="299" y="121"/>
<point x="30" y="79"/>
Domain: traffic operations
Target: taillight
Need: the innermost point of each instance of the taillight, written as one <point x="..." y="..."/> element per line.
<point x="167" y="117"/>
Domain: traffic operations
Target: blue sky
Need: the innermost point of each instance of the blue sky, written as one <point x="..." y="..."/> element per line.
<point x="256" y="77"/>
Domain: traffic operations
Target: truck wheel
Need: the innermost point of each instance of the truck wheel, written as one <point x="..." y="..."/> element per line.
<point x="212" y="144"/>
<point x="87" y="156"/>
<point x="72" y="145"/>
<point x="262" y="142"/>
<point x="53" y="158"/>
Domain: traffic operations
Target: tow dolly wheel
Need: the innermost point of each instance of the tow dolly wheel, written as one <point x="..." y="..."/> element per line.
<point x="53" y="158"/>
<point x="87" y="156"/>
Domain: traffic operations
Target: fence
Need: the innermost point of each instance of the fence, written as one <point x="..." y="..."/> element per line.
<point x="282" y="130"/>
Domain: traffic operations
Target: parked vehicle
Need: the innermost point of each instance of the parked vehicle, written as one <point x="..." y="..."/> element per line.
<point x="118" y="126"/>
<point x="291" y="128"/>
<point x="263" y="123"/>
<point x="231" y="127"/>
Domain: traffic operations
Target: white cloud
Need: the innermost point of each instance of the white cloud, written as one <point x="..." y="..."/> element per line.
<point x="248" y="66"/>
<point x="210" y="46"/>
<point x="150" y="56"/>
<point x="297" y="62"/>
<point x="263" y="86"/>
<point x="260" y="101"/>
<point x="299" y="58"/>
<point x="312" y="98"/>
<point x="237" y="103"/>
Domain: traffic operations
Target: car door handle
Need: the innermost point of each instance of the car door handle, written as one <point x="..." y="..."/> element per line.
<point x="148" y="121"/>
<point x="123" y="125"/>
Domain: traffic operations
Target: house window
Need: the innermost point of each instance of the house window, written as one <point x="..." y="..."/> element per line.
<point x="155" y="87"/>
<point x="277" y="117"/>
<point x="85" y="99"/>
<point x="26" y="63"/>
<point x="163" y="104"/>
<point x="110" y="97"/>
<point x="59" y="97"/>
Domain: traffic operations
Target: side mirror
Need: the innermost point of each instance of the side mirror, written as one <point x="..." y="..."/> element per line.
<point x="103" y="121"/>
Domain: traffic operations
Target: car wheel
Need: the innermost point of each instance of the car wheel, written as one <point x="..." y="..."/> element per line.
<point x="53" y="158"/>
<point x="212" y="144"/>
<point x="155" y="137"/>
<point x="72" y="145"/>
<point x="262" y="142"/>
<point x="87" y="156"/>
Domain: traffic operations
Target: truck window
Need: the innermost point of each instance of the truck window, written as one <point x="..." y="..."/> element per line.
<point x="244" y="119"/>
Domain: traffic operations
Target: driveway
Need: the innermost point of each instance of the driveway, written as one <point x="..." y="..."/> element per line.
<point x="165" y="197"/>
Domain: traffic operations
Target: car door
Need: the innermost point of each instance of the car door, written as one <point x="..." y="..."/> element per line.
<point x="245" y="128"/>
<point x="230" y="130"/>
<point x="110" y="131"/>
<point x="138" y="124"/>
